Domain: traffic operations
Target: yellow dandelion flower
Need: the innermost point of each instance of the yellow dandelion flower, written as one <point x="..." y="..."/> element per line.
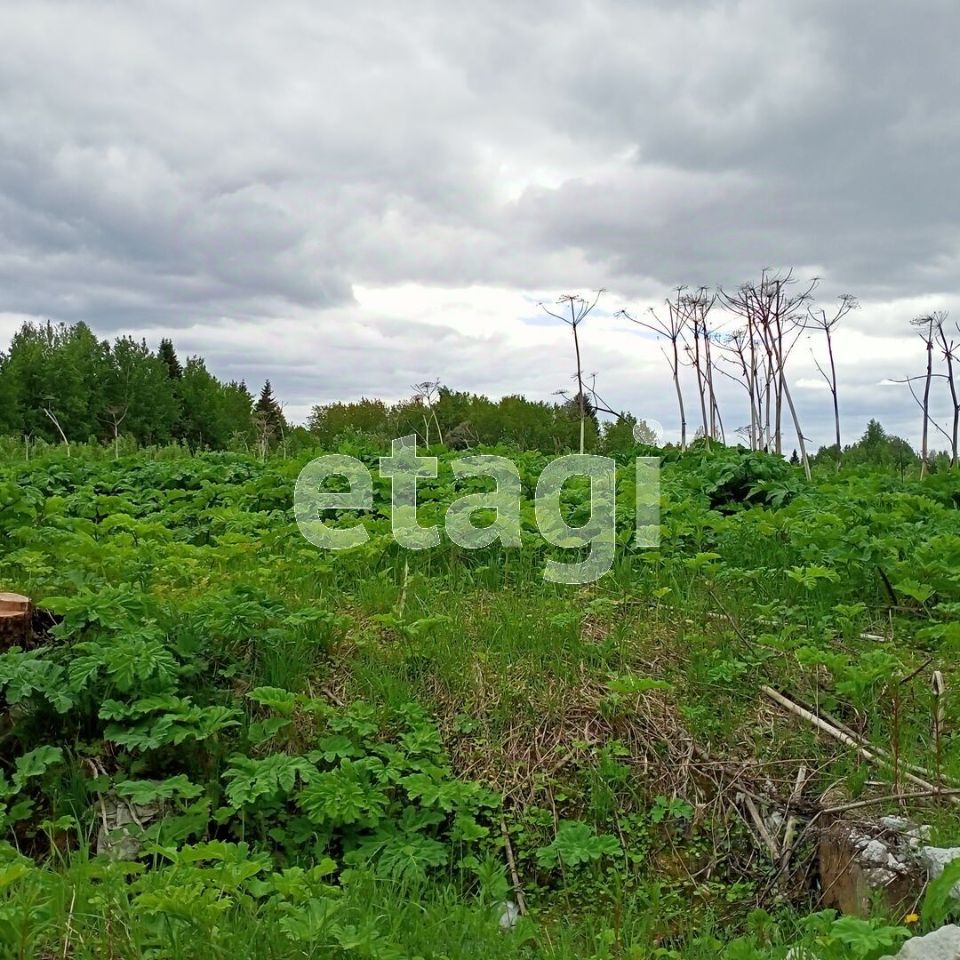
<point x="911" y="918"/>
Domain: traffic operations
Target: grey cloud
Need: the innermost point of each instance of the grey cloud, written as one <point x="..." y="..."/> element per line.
<point x="234" y="165"/>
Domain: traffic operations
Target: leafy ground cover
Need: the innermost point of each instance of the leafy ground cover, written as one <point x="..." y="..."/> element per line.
<point x="226" y="743"/>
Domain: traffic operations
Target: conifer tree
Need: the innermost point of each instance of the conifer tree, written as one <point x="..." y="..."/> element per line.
<point x="269" y="422"/>
<point x="169" y="356"/>
<point x="268" y="406"/>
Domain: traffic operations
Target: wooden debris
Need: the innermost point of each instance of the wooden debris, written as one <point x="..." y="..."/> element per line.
<point x="16" y="620"/>
<point x="866" y="751"/>
<point x="512" y="863"/>
<point x="861" y="864"/>
<point x="790" y="829"/>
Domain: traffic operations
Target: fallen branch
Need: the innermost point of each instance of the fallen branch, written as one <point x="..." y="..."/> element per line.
<point x="790" y="830"/>
<point x="880" y="751"/>
<point x="871" y="754"/>
<point x="512" y="863"/>
<point x="765" y="835"/>
<point x="918" y="795"/>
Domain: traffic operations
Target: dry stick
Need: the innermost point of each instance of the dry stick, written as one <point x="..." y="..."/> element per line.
<point x="918" y="795"/>
<point x="69" y="931"/>
<point x="880" y="751"/>
<point x="768" y="840"/>
<point x="939" y="687"/>
<point x="515" y="877"/>
<point x="790" y="831"/>
<point x="871" y="754"/>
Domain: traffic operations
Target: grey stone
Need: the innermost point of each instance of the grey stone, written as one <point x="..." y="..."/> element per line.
<point x="509" y="915"/>
<point x="913" y="832"/>
<point x="121" y="826"/>
<point x="935" y="859"/>
<point x="942" y="944"/>
<point x="860" y="863"/>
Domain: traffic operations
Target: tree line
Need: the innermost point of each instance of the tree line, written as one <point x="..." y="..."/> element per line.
<point x="461" y="420"/>
<point x="62" y="384"/>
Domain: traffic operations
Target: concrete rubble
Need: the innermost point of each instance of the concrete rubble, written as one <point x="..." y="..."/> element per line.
<point x="887" y="861"/>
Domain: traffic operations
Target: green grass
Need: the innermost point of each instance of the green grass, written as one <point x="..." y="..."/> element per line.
<point x="442" y="696"/>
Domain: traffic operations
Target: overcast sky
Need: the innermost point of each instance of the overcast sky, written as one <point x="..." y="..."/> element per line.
<point x="349" y="198"/>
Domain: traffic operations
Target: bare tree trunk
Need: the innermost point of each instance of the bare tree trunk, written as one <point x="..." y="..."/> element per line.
<point x="772" y="373"/>
<point x="778" y="414"/>
<point x="676" y="384"/>
<point x="767" y="435"/>
<point x="701" y="386"/>
<point x="580" y="396"/>
<point x="708" y="366"/>
<point x="754" y="391"/>
<point x="777" y="333"/>
<point x="721" y="433"/>
<point x="925" y="455"/>
<point x="834" y="391"/>
<point x="951" y="380"/>
<point x="56" y="423"/>
<point x="948" y="348"/>
<point x="796" y="423"/>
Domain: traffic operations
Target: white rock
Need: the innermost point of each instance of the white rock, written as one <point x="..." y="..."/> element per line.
<point x="935" y="859"/>
<point x="121" y="827"/>
<point x="897" y="824"/>
<point x="942" y="944"/>
<point x="876" y="852"/>
<point x="913" y="832"/>
<point x="509" y="915"/>
<point x="881" y="866"/>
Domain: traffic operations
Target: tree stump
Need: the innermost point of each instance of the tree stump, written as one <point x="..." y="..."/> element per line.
<point x="16" y="620"/>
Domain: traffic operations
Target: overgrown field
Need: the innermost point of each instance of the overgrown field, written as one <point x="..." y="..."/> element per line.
<point x="225" y="743"/>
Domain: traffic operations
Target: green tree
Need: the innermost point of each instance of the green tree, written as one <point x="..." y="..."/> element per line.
<point x="168" y="356"/>
<point x="369" y="417"/>
<point x="625" y="434"/>
<point x="236" y="406"/>
<point x="878" y="448"/>
<point x="55" y="376"/>
<point x="268" y="409"/>
<point x="140" y="398"/>
<point x="202" y="423"/>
